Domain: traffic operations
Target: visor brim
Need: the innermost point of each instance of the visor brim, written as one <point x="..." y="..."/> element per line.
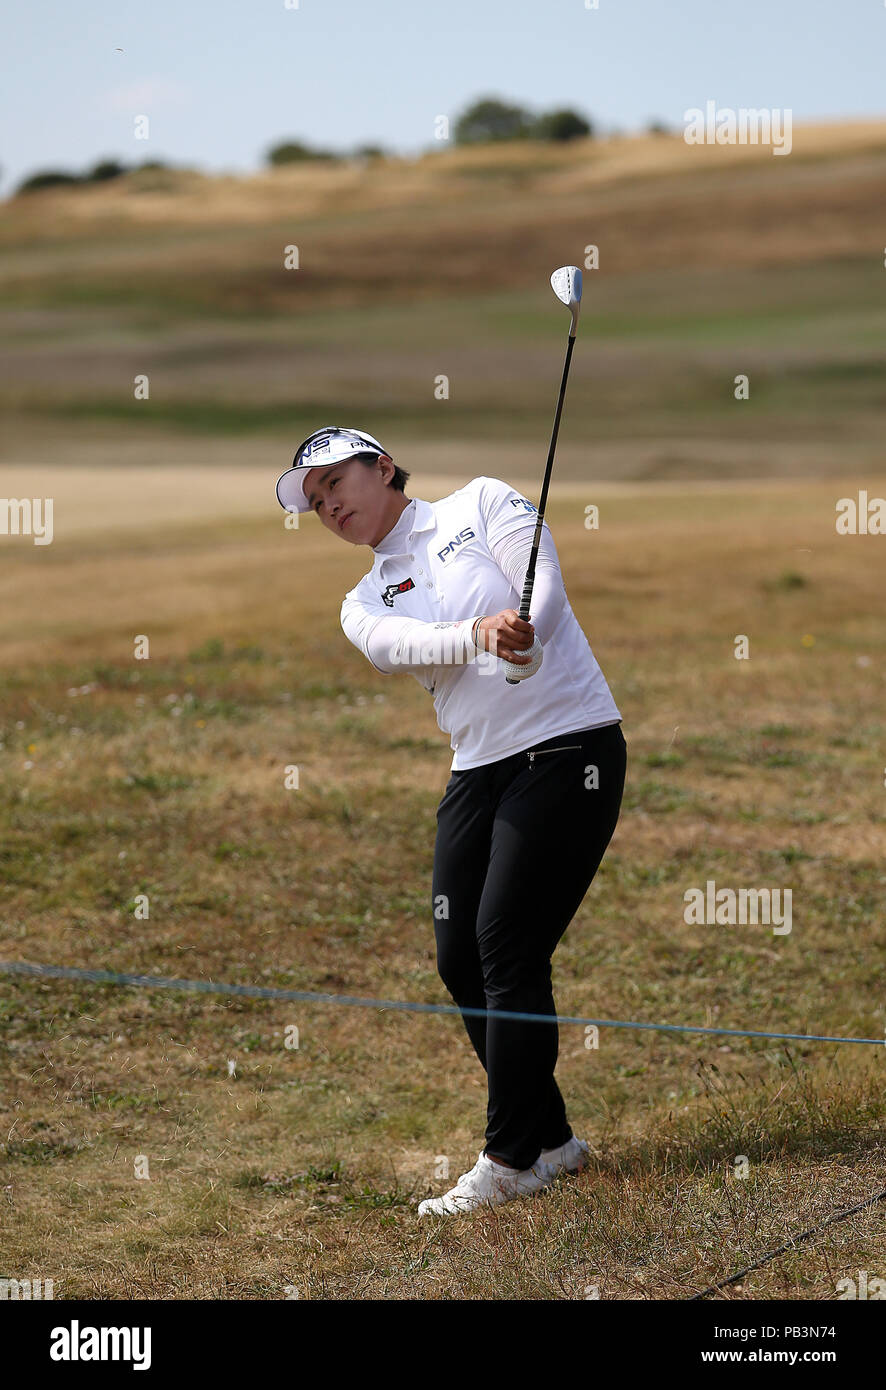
<point x="290" y="490"/>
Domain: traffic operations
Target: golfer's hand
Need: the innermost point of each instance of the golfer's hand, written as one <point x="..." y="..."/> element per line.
<point x="507" y="635"/>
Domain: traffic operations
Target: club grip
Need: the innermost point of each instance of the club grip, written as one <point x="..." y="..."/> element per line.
<point x="526" y="600"/>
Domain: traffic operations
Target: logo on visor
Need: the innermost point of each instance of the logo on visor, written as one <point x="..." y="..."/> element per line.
<point x="392" y="590"/>
<point x="318" y="446"/>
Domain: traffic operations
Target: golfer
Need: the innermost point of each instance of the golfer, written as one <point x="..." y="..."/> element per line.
<point x="537" y="772"/>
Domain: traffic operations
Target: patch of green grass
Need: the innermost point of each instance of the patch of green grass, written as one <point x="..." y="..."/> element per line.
<point x="314" y="1178"/>
<point x="160" y="782"/>
<point x="791" y="854"/>
<point x="227" y="849"/>
<point x="416" y="745"/>
<point x="213" y="649"/>
<point x="664" y="759"/>
<point x="124" y="1100"/>
<point x="368" y="1198"/>
<point x="658" y="797"/>
<point x="40" y="1148"/>
<point x="236" y="711"/>
<point x="715" y="748"/>
<point x="786" y="582"/>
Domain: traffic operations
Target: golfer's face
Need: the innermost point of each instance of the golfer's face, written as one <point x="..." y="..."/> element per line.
<point x="350" y="497"/>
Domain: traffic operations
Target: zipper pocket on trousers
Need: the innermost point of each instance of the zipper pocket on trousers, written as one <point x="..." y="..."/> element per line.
<point x="534" y="753"/>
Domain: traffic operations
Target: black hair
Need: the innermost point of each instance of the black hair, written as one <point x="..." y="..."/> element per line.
<point x="400" y="475"/>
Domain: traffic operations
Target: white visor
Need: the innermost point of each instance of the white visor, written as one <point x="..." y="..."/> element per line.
<point x="321" y="449"/>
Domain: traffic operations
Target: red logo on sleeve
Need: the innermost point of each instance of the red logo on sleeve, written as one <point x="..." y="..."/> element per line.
<point x="392" y="590"/>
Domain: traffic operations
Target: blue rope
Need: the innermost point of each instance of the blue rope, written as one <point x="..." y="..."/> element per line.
<point x="112" y="977"/>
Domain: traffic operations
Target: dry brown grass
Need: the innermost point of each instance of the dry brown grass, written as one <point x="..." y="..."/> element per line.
<point x="303" y="1170"/>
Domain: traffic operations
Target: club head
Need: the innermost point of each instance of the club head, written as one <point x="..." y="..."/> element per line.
<point x="566" y="284"/>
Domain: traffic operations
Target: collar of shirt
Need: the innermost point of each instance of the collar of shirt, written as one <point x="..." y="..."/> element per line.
<point x="417" y="516"/>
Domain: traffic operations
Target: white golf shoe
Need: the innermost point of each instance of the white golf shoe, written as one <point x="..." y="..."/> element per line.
<point x="489" y="1184"/>
<point x="571" y="1157"/>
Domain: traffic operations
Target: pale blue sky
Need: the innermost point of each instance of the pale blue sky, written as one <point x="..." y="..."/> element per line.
<point x="223" y="79"/>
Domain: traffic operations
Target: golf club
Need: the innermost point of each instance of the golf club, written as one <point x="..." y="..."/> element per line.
<point x="566" y="284"/>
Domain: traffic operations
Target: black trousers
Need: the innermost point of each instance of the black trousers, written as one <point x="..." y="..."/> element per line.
<point x="518" y="843"/>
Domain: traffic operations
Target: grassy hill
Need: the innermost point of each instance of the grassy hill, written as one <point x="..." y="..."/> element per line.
<point x="714" y="261"/>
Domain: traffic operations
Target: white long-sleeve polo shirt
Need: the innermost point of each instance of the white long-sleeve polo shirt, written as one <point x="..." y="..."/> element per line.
<point x="442" y="565"/>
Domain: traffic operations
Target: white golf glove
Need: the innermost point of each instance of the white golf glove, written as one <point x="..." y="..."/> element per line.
<point x="521" y="673"/>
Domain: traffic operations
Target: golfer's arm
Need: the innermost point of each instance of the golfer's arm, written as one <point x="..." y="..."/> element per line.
<point x="548" y="593"/>
<point x="406" y="644"/>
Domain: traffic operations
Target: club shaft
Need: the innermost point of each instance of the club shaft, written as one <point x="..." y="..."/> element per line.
<point x="529" y="581"/>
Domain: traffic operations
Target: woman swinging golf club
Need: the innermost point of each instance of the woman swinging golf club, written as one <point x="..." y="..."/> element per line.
<point x="537" y="773"/>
